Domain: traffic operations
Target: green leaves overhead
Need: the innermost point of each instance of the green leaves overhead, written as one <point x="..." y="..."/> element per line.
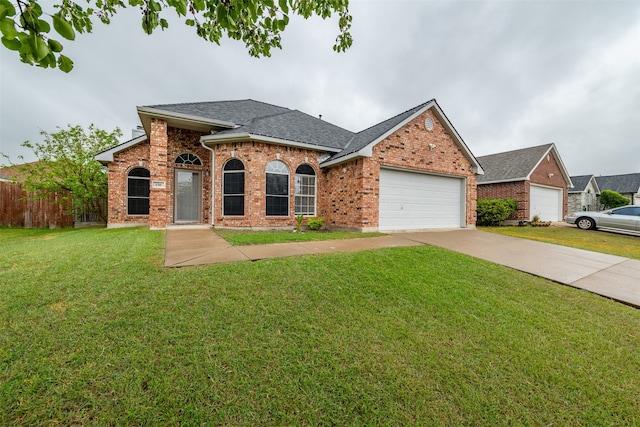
<point x="63" y="27"/>
<point x="26" y="28"/>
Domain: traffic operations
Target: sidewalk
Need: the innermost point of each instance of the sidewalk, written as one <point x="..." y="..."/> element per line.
<point x="607" y="275"/>
<point x="197" y="245"/>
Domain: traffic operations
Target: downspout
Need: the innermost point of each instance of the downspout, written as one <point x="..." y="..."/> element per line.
<point x="213" y="164"/>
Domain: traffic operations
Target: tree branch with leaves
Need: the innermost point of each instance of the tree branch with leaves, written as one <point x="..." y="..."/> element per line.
<point x="27" y="28"/>
<point x="66" y="165"/>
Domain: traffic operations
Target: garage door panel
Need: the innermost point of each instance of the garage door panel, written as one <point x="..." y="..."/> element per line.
<point x="546" y="202"/>
<point x="410" y="200"/>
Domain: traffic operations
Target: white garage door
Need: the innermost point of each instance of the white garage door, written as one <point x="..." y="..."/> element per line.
<point x="413" y="201"/>
<point x="546" y="202"/>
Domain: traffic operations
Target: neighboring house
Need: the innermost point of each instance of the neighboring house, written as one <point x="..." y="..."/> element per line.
<point x="535" y="177"/>
<point x="628" y="185"/>
<point x="251" y="164"/>
<point x="584" y="194"/>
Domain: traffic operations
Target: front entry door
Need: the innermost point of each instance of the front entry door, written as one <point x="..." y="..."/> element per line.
<point x="187" y="196"/>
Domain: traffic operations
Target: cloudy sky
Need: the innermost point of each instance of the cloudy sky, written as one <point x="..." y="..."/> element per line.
<point x="509" y="74"/>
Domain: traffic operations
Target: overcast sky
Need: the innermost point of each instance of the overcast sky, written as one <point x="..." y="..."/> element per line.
<point x="508" y="74"/>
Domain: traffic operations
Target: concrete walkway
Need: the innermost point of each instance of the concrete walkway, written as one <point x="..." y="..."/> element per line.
<point x="607" y="275"/>
<point x="196" y="245"/>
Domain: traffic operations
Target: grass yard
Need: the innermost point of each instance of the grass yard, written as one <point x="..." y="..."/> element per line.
<point x="249" y="237"/>
<point x="94" y="331"/>
<point x="598" y="241"/>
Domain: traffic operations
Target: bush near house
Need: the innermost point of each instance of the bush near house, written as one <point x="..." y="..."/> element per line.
<point x="494" y="211"/>
<point x="610" y="199"/>
<point x="315" y="223"/>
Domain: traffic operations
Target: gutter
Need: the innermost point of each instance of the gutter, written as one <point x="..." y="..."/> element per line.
<point x="212" y="172"/>
<point x="244" y="136"/>
<point x="163" y="114"/>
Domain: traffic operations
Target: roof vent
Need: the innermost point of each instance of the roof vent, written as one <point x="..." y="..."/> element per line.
<point x="428" y="123"/>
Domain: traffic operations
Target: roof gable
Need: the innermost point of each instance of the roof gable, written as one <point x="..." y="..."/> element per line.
<point x="627" y="183"/>
<point x="581" y="182"/>
<point x="517" y="165"/>
<point x="361" y="145"/>
<point x="106" y="156"/>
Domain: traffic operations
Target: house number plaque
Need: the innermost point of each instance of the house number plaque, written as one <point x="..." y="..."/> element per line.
<point x="158" y="184"/>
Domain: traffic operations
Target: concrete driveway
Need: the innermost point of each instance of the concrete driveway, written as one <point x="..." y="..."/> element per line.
<point x="607" y="275"/>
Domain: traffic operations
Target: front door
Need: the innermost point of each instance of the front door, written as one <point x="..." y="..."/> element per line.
<point x="187" y="196"/>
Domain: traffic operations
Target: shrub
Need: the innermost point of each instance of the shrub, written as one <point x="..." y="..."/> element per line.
<point x="612" y="199"/>
<point x="494" y="211"/>
<point x="315" y="223"/>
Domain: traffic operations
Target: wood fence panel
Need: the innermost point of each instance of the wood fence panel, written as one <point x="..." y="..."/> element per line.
<point x="16" y="210"/>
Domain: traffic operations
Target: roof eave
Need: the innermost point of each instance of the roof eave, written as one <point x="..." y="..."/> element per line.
<point x="107" y="155"/>
<point x="501" y="181"/>
<point x="563" y="169"/>
<point x="367" y="151"/>
<point x="181" y="120"/>
<point x="343" y="159"/>
<point x="458" y="139"/>
<point x="246" y="136"/>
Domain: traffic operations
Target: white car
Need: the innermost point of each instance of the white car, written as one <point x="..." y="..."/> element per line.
<point x="624" y="218"/>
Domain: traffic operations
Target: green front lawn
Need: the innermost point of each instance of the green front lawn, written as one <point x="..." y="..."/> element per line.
<point x="94" y="331"/>
<point x="249" y="237"/>
<point x="597" y="241"/>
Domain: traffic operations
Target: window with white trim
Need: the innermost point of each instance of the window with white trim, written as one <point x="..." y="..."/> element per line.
<point x="233" y="188"/>
<point x="138" y="191"/>
<point x="277" y="189"/>
<point x="305" y="191"/>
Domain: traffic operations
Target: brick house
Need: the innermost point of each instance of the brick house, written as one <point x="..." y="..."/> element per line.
<point x="251" y="164"/>
<point x="534" y="176"/>
<point x="584" y="194"/>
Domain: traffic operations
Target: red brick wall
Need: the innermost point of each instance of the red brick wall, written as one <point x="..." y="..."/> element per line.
<point x="159" y="158"/>
<point x="255" y="156"/>
<point x="124" y="161"/>
<point x="520" y="190"/>
<point x="354" y="186"/>
<point x="352" y="194"/>
<point x="186" y="141"/>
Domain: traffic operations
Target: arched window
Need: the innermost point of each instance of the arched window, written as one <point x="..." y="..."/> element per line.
<point x="188" y="159"/>
<point x="233" y="188"/>
<point x="138" y="191"/>
<point x="277" y="189"/>
<point x="305" y="191"/>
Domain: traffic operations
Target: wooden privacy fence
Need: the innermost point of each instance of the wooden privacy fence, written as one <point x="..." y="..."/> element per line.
<point x="17" y="211"/>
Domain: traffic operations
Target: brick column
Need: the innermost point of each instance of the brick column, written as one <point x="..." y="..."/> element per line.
<point x="159" y="198"/>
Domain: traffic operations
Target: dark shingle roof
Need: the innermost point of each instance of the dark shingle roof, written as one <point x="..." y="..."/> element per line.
<point x="580" y="183"/>
<point x="628" y="183"/>
<point x="259" y="118"/>
<point x="369" y="135"/>
<point x="238" y="112"/>
<point x="296" y="126"/>
<point x="271" y="121"/>
<point x="511" y="165"/>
